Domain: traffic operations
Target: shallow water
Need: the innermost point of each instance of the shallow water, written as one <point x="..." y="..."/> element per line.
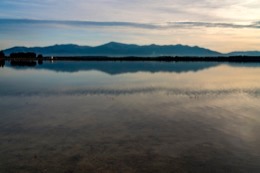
<point x="130" y="117"/>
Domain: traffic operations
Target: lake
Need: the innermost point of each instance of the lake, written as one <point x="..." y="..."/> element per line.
<point x="187" y="117"/>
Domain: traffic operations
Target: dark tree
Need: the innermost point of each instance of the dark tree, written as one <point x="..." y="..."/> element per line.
<point x="2" y="55"/>
<point x="29" y="55"/>
<point x="2" y="59"/>
<point x="40" y="59"/>
<point x="40" y="56"/>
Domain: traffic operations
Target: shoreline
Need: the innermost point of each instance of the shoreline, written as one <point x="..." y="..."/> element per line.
<point x="135" y="58"/>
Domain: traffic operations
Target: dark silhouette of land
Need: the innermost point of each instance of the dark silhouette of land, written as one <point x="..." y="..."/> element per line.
<point x="134" y="58"/>
<point x="2" y="59"/>
<point x="27" y="55"/>
<point x="31" y="59"/>
<point x="162" y="58"/>
<point x="2" y="55"/>
<point x="25" y="59"/>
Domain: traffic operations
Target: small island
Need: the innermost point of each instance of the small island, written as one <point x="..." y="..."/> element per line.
<point x="21" y="59"/>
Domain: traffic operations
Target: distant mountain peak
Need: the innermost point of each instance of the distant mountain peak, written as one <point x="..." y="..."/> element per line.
<point x="244" y="53"/>
<point x="113" y="43"/>
<point x="67" y="45"/>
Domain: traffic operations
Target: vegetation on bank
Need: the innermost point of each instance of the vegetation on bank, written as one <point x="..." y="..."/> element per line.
<point x="164" y="58"/>
<point x="24" y="58"/>
<point x="21" y="59"/>
<point x="2" y="55"/>
<point x="2" y="59"/>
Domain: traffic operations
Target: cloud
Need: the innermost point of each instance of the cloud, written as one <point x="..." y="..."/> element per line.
<point x="134" y="10"/>
<point x="152" y="26"/>
<point x="255" y="25"/>
<point x="220" y="36"/>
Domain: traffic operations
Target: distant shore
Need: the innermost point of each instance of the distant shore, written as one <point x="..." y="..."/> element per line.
<point x="135" y="58"/>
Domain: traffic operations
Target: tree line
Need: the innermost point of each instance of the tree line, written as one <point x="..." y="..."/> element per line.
<point x="2" y="55"/>
<point x="21" y="59"/>
<point x="2" y="59"/>
<point x="31" y="56"/>
<point x="27" y="55"/>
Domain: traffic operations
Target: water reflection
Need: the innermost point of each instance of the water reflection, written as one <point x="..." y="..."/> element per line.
<point x="204" y="119"/>
<point x="114" y="68"/>
<point x="40" y="61"/>
<point x="2" y="62"/>
<point x="23" y="63"/>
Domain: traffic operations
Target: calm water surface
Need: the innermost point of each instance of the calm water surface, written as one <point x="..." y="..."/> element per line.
<point x="80" y="117"/>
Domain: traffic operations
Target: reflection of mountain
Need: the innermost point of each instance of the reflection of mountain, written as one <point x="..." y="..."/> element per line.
<point x="124" y="67"/>
<point x="252" y="65"/>
<point x="116" y="49"/>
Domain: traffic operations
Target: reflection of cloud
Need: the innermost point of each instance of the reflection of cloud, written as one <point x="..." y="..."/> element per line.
<point x="168" y="25"/>
<point x="146" y="90"/>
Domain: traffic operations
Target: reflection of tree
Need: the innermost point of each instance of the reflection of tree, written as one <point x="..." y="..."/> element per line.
<point x="23" y="63"/>
<point x="40" y="59"/>
<point x="2" y="63"/>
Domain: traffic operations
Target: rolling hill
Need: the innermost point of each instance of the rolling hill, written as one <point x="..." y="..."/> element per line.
<point x="116" y="49"/>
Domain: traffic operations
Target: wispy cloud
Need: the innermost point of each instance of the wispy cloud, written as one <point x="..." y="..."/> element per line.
<point x="255" y="25"/>
<point x="220" y="25"/>
<point x="223" y="37"/>
<point x="134" y="10"/>
<point x="167" y="25"/>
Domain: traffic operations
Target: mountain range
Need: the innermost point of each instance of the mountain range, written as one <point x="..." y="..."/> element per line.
<point x="120" y="49"/>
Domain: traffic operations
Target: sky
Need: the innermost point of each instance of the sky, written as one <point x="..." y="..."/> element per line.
<point x="225" y="26"/>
